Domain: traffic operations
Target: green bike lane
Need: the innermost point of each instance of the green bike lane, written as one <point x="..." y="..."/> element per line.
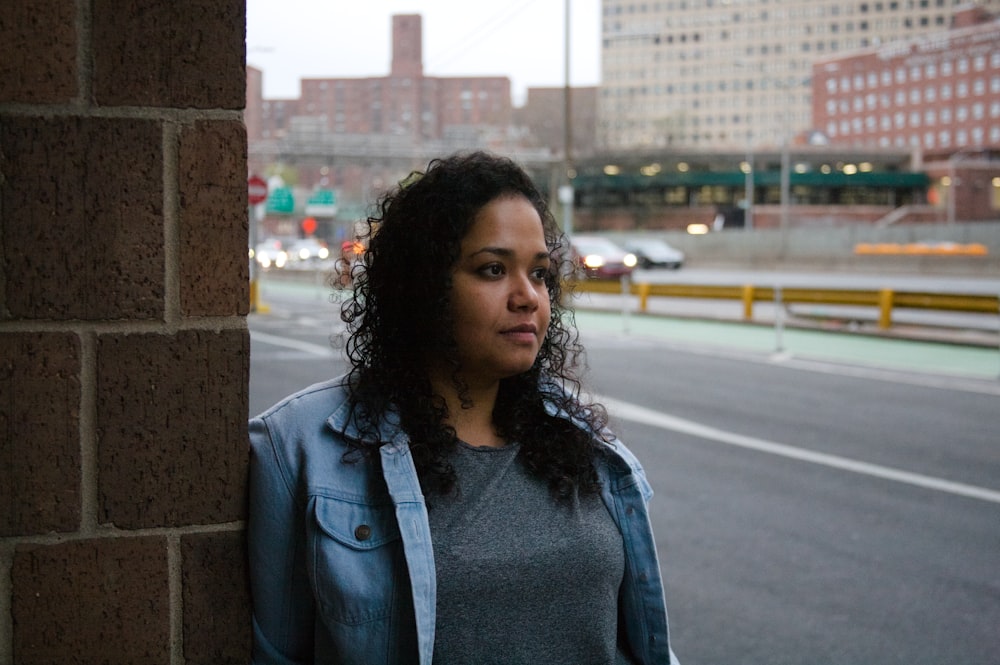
<point x="884" y="352"/>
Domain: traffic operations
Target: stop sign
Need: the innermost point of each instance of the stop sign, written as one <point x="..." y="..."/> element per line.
<point x="256" y="190"/>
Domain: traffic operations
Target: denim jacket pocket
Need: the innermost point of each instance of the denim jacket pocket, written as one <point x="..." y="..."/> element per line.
<point x="356" y="558"/>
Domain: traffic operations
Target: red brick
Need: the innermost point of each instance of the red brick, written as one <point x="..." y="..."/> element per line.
<point x="216" y="599"/>
<point x="82" y="202"/>
<point x="39" y="433"/>
<point x="215" y="269"/>
<point x="39" y="52"/>
<point x="172" y="428"/>
<point x="94" y="601"/>
<point x="188" y="53"/>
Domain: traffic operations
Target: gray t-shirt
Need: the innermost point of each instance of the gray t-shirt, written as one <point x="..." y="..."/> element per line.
<point x="520" y="577"/>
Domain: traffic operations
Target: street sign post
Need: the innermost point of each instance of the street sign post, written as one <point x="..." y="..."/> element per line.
<point x="256" y="194"/>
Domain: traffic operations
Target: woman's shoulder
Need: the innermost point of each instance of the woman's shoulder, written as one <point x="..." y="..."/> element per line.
<point x="318" y="398"/>
<point x="299" y="425"/>
<point x="310" y="439"/>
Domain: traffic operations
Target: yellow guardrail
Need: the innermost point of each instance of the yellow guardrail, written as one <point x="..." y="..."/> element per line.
<point x="885" y="300"/>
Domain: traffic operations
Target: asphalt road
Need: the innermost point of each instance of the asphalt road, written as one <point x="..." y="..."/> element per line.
<point x="809" y="508"/>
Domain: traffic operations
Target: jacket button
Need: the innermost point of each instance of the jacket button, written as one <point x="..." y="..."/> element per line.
<point x="363" y="532"/>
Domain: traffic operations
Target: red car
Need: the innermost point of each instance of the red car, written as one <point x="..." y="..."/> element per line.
<point x="599" y="258"/>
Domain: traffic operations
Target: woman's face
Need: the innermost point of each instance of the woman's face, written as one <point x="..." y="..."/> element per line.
<point x="499" y="300"/>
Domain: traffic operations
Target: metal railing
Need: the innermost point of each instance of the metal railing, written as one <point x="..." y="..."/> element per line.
<point x="884" y="300"/>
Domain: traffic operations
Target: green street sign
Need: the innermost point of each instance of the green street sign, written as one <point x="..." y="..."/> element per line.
<point x="281" y="201"/>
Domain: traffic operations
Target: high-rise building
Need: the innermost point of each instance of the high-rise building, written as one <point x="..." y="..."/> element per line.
<point x="730" y="74"/>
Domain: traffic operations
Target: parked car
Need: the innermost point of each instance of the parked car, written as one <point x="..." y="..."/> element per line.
<point x="655" y="253"/>
<point x="270" y="252"/>
<point x="599" y="258"/>
<point x="308" y="250"/>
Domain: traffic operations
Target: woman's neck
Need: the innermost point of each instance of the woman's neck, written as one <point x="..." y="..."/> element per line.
<point x="472" y="417"/>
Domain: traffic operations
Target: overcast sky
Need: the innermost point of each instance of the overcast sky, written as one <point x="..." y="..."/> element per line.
<point x="522" y="39"/>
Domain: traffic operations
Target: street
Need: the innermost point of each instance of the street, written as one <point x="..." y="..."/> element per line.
<point x="807" y="511"/>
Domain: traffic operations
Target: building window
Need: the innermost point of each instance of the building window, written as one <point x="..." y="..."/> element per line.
<point x="930" y="94"/>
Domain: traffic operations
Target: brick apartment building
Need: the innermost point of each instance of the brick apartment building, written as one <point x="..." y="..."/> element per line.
<point x="406" y="103"/>
<point x="938" y="95"/>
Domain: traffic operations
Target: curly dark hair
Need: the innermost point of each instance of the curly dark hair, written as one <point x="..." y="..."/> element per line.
<point x="399" y="315"/>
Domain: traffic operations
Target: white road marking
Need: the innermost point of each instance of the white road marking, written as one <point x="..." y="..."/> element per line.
<point x="288" y="343"/>
<point x="640" y="414"/>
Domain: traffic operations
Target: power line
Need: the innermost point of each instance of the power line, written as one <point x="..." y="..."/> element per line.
<point x="477" y="35"/>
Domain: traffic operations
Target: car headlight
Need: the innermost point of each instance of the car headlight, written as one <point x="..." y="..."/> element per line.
<point x="323" y="252"/>
<point x="303" y="253"/>
<point x="630" y="260"/>
<point x="593" y="260"/>
<point x="280" y="260"/>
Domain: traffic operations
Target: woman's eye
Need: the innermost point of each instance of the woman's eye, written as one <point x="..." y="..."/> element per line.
<point x="492" y="270"/>
<point x="539" y="273"/>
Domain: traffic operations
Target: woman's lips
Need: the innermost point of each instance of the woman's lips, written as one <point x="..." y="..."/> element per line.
<point x="524" y="333"/>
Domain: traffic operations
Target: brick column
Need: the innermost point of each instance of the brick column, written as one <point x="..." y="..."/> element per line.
<point x="124" y="352"/>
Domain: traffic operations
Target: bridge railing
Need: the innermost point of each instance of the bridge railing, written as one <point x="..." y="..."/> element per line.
<point x="884" y="300"/>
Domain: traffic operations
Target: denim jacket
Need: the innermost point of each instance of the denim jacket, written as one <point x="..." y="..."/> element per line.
<point x="341" y="562"/>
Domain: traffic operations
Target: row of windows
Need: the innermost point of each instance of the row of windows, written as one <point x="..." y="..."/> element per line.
<point x="944" y="138"/>
<point x="913" y="119"/>
<point x="612" y="9"/>
<point x="916" y="73"/>
<point x="915" y="96"/>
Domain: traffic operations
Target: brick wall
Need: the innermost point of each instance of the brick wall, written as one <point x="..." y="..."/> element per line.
<point x="123" y="341"/>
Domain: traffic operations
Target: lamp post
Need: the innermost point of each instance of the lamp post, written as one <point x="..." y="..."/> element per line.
<point x="566" y="188"/>
<point x="748" y="189"/>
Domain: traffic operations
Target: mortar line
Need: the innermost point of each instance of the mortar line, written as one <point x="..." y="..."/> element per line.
<point x="84" y="53"/>
<point x="87" y="427"/>
<point x="171" y="225"/>
<point x="176" y="598"/>
<point x="6" y="610"/>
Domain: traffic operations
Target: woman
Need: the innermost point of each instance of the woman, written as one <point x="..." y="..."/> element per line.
<point x="449" y="499"/>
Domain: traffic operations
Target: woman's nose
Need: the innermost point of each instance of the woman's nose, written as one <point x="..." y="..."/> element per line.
<point x="523" y="294"/>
